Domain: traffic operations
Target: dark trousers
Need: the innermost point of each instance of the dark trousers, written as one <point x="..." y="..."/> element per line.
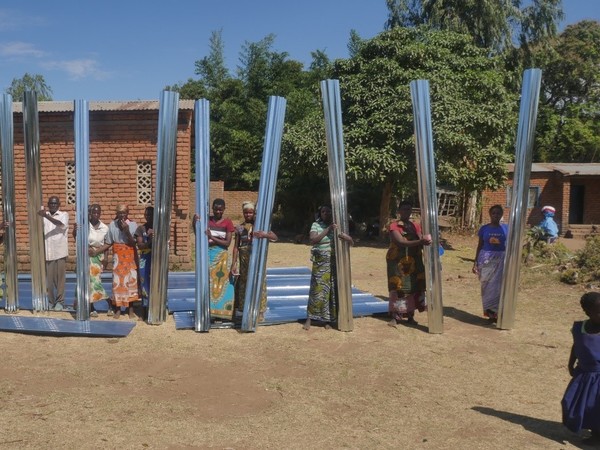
<point x="55" y="281"/>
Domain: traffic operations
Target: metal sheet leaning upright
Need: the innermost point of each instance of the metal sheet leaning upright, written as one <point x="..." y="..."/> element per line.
<point x="82" y="189"/>
<point x="202" y="159"/>
<point x="264" y="210"/>
<point x="10" y="287"/>
<point x="530" y="95"/>
<point x="330" y="93"/>
<point x="33" y="171"/>
<point x="419" y="90"/>
<point x="165" y="176"/>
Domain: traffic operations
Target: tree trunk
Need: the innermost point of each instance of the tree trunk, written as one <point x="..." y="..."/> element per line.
<point x="470" y="213"/>
<point x="384" y="208"/>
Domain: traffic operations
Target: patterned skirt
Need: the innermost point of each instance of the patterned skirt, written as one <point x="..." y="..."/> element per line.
<point x="125" y="275"/>
<point x="97" y="291"/>
<point x="240" y="285"/>
<point x="322" y="297"/>
<point x="221" y="290"/>
<point x="491" y="267"/>
<point x="145" y="268"/>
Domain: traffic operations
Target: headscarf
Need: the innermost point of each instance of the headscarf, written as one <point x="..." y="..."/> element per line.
<point x="548" y="211"/>
<point x="248" y="205"/>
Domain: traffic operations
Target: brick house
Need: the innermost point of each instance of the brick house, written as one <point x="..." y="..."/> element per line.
<point x="123" y="137"/>
<point x="569" y="187"/>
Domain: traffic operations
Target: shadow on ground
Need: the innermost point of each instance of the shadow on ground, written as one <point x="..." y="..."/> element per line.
<point x="466" y="317"/>
<point x="545" y="428"/>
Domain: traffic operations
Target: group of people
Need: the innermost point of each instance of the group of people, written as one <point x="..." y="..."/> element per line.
<point x="228" y="285"/>
<point x="131" y="247"/>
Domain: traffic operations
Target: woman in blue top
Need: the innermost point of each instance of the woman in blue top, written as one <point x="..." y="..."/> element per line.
<point x="489" y="261"/>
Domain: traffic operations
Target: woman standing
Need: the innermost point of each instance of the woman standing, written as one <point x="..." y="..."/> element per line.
<point x="322" y="296"/>
<point x="219" y="234"/>
<point x="242" y="249"/>
<point x="125" y="288"/>
<point x="489" y="261"/>
<point x="143" y="236"/>
<point x="97" y="251"/>
<point x="405" y="269"/>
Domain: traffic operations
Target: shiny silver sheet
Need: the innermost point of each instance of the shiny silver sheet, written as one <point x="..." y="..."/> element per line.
<point x="82" y="190"/>
<point x="330" y="94"/>
<point x="202" y="159"/>
<point x="530" y="94"/>
<point x="10" y="285"/>
<point x="264" y="210"/>
<point x="165" y="178"/>
<point x="33" y="172"/>
<point x="425" y="156"/>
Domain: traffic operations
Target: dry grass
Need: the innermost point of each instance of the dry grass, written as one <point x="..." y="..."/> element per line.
<point x="472" y="387"/>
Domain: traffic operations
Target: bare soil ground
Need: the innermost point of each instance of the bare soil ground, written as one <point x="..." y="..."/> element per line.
<point x="472" y="387"/>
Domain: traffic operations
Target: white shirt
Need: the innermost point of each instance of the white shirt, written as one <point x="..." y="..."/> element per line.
<point x="97" y="236"/>
<point x="55" y="237"/>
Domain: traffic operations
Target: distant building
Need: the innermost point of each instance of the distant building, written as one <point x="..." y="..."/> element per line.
<point x="571" y="188"/>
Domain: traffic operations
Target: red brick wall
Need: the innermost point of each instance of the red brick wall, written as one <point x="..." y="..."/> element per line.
<point x="233" y="199"/>
<point x="555" y="189"/>
<point x="118" y="140"/>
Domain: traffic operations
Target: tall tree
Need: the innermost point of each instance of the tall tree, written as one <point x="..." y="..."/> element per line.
<point x="212" y="68"/>
<point x="569" y="125"/>
<point x="473" y="114"/>
<point x="29" y="82"/>
<point x="493" y="24"/>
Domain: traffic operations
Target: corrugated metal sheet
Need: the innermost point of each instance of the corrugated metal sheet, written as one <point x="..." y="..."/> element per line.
<point x="140" y="105"/>
<point x="564" y="168"/>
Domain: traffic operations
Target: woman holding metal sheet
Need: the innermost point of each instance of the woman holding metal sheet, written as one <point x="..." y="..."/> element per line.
<point x="322" y="296"/>
<point x="219" y="234"/>
<point x="405" y="269"/>
<point x="98" y="253"/>
<point x="125" y="289"/>
<point x="143" y="236"/>
<point x="489" y="261"/>
<point x="244" y="235"/>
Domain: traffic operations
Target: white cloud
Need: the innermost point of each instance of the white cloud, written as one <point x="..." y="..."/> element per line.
<point x="20" y="49"/>
<point x="11" y="20"/>
<point x="78" y="69"/>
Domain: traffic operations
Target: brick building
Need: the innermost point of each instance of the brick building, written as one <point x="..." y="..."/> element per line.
<point x="123" y="139"/>
<point x="569" y="187"/>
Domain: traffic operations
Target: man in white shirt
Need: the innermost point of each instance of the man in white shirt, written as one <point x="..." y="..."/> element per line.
<point x="56" y="227"/>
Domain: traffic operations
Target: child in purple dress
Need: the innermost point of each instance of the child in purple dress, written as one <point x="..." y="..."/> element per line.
<point x="581" y="402"/>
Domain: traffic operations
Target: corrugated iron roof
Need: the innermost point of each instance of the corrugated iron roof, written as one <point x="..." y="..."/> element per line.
<point x="564" y="168"/>
<point x="139" y="105"/>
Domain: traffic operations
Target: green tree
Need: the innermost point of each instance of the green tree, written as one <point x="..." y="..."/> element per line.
<point x="212" y="68"/>
<point x="29" y="82"/>
<point x="472" y="113"/>
<point x="493" y="24"/>
<point x="569" y="119"/>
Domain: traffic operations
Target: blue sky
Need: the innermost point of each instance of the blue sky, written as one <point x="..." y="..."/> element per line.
<point x="132" y="49"/>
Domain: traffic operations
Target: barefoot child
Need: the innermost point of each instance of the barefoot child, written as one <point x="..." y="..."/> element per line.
<point x="581" y="402"/>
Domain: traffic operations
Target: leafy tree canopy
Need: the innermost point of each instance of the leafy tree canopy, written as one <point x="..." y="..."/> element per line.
<point x="29" y="82"/>
<point x="493" y="24"/>
<point x="472" y="112"/>
<point x="569" y="120"/>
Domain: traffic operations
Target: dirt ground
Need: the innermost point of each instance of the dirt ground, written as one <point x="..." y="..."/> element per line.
<point x="472" y="387"/>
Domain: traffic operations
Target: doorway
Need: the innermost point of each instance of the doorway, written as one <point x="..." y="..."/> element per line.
<point x="576" y="203"/>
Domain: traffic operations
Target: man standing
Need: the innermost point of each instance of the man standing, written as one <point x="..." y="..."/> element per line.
<point x="56" y="226"/>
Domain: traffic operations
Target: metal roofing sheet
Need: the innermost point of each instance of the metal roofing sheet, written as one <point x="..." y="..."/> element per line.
<point x="139" y="105"/>
<point x="564" y="168"/>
